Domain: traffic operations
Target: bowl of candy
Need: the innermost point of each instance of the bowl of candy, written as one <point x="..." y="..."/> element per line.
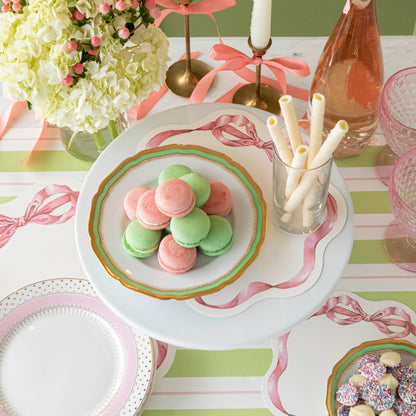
<point x="374" y="378"/>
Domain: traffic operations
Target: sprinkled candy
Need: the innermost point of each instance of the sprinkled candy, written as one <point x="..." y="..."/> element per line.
<point x="17" y="7"/>
<point x="347" y="394"/>
<point x="366" y="388"/>
<point x="343" y="410"/>
<point x="5" y="8"/>
<point x="367" y="358"/>
<point x="402" y="408"/>
<point x="407" y="392"/>
<point x="403" y="373"/>
<point x="373" y="371"/>
<point x="381" y="398"/>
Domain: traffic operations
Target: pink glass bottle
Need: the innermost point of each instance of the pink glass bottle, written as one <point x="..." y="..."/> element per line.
<point x="350" y="75"/>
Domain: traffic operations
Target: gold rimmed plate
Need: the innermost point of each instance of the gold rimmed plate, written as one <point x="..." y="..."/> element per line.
<point x="348" y="365"/>
<point x="107" y="222"/>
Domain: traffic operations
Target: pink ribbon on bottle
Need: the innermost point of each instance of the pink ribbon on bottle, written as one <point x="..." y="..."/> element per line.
<point x="236" y="61"/>
<point x="204" y="7"/>
<point x="343" y="310"/>
<point x="40" y="212"/>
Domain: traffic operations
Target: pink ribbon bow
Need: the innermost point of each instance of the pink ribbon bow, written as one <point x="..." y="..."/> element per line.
<point x="236" y="61"/>
<point x="218" y="128"/>
<point x="204" y="7"/>
<point x="38" y="213"/>
<point x="336" y="309"/>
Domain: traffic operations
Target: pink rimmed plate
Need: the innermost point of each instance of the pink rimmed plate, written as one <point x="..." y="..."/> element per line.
<point x="62" y="351"/>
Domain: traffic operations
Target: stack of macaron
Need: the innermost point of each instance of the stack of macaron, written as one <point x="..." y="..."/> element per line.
<point x="183" y="212"/>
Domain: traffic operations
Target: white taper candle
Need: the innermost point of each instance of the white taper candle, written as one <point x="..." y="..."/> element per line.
<point x="261" y="20"/>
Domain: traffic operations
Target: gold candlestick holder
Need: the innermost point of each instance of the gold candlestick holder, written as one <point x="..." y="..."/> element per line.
<point x="182" y="76"/>
<point x="258" y="95"/>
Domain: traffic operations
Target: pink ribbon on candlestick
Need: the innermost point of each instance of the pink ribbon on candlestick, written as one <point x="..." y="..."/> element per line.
<point x="236" y="61"/>
<point x="343" y="310"/>
<point x="40" y="212"/>
<point x="204" y="7"/>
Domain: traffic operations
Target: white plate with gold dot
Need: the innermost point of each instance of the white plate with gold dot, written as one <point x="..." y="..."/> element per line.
<point x="62" y="351"/>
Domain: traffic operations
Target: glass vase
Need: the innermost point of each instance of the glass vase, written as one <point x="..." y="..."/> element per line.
<point x="87" y="146"/>
<point x="350" y="75"/>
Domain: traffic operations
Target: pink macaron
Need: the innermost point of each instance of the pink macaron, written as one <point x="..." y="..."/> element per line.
<point x="148" y="214"/>
<point x="173" y="257"/>
<point x="131" y="199"/>
<point x="219" y="201"/>
<point x="175" y="198"/>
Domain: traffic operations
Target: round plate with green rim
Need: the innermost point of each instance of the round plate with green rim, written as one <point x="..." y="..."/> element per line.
<point x="107" y="222"/>
<point x="348" y="365"/>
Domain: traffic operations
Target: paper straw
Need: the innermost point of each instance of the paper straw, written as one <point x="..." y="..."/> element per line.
<point x="298" y="163"/>
<point x="291" y="121"/>
<point x="324" y="154"/>
<point x="317" y="123"/>
<point x="279" y="140"/>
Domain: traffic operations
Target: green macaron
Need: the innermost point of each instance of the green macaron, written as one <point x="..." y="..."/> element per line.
<point x="139" y="241"/>
<point x="173" y="172"/>
<point x="199" y="185"/>
<point x="190" y="230"/>
<point x="219" y="238"/>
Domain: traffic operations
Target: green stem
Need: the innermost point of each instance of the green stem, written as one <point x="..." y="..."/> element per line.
<point x="112" y="128"/>
<point x="99" y="139"/>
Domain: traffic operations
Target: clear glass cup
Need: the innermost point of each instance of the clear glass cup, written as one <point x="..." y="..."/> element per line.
<point x="397" y="120"/>
<point x="311" y="195"/>
<point x="400" y="236"/>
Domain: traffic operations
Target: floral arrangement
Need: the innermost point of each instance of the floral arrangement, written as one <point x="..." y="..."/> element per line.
<point x="80" y="63"/>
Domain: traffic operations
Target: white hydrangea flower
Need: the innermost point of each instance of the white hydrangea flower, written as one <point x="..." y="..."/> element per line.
<point x="34" y="60"/>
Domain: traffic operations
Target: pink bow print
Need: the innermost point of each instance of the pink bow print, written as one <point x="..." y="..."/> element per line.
<point x="336" y="309"/>
<point x="224" y="124"/>
<point x="38" y="213"/>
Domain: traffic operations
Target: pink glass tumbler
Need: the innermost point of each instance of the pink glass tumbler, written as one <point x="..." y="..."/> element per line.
<point x="397" y="120"/>
<point x="400" y="236"/>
